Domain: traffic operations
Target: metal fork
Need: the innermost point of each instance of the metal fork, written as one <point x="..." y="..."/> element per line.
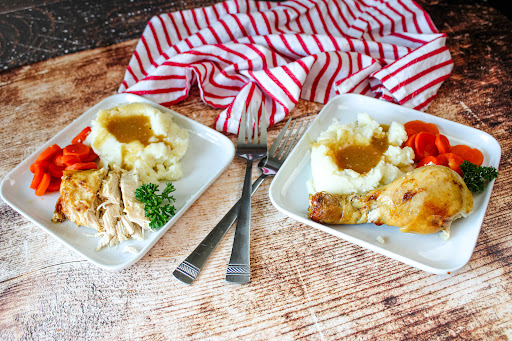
<point x="189" y="269"/>
<point x="239" y="268"/>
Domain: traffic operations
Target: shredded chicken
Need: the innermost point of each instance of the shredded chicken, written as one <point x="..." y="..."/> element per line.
<point x="110" y="187"/>
<point x="133" y="208"/>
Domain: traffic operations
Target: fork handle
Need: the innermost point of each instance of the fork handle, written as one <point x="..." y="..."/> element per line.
<point x="239" y="269"/>
<point x="189" y="269"/>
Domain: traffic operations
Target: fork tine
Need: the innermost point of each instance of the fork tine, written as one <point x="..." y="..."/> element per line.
<point x="253" y="124"/>
<point x="263" y="126"/>
<point x="248" y="124"/>
<point x="298" y="134"/>
<point x="285" y="142"/>
<point x="278" y="139"/>
<point x="254" y="118"/>
<point x="241" y="129"/>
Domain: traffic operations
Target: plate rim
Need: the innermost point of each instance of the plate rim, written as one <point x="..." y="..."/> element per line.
<point x="362" y="243"/>
<point x="230" y="153"/>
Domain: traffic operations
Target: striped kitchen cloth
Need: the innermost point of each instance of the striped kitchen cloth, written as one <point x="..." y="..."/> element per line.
<point x="273" y="53"/>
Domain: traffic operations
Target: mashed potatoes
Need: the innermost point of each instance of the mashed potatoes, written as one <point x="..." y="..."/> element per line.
<point x="359" y="156"/>
<point x="141" y="137"/>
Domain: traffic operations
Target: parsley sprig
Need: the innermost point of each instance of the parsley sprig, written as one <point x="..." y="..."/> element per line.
<point x="476" y="177"/>
<point x="157" y="207"/>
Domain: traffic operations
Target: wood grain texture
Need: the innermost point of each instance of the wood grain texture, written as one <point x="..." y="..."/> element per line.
<point x="306" y="285"/>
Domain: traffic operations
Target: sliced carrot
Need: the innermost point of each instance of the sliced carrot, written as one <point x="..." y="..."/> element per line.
<point x="78" y="149"/>
<point x="36" y="180"/>
<point x="417" y="126"/>
<point x="41" y="164"/>
<point x="467" y="153"/>
<point x="427" y="160"/>
<point x="451" y="160"/>
<point x="55" y="170"/>
<point x="57" y="159"/>
<point x="442" y="144"/>
<point x="410" y="141"/>
<point x="82" y="166"/>
<point x="54" y="185"/>
<point x="81" y="137"/>
<point x="53" y="161"/>
<point x="91" y="157"/>
<point x="43" y="185"/>
<point x="48" y="153"/>
<point x="424" y="145"/>
<point x="70" y="159"/>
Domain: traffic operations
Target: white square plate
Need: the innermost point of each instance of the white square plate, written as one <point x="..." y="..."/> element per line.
<point x="289" y="192"/>
<point x="208" y="155"/>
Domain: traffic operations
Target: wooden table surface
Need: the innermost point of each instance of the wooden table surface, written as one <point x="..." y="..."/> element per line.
<point x="306" y="284"/>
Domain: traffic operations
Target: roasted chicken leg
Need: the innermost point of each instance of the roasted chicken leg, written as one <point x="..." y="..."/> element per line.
<point x="425" y="200"/>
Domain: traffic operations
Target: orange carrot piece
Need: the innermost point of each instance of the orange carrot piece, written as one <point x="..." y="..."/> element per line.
<point x="54" y="185"/>
<point x="451" y="160"/>
<point x="57" y="159"/>
<point x="78" y="149"/>
<point x="36" y="180"/>
<point x="43" y="185"/>
<point x="81" y="137"/>
<point x="427" y="160"/>
<point x="91" y="157"/>
<point x="41" y="164"/>
<point x="442" y="144"/>
<point x="424" y="145"/>
<point x="410" y="141"/>
<point x="467" y="153"/>
<point x="417" y="126"/>
<point x="70" y="159"/>
<point x="48" y="153"/>
<point x="55" y="170"/>
<point x="82" y="166"/>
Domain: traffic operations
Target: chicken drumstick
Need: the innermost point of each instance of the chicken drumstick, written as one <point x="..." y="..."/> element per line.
<point x="425" y="200"/>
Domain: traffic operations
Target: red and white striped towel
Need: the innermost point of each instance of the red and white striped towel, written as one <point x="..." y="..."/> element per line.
<point x="273" y="53"/>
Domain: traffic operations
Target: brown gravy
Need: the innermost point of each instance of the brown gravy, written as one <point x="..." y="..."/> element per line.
<point x="360" y="158"/>
<point x="127" y="129"/>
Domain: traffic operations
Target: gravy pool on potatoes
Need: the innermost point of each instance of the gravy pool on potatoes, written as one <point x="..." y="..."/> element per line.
<point x="137" y="136"/>
<point x="359" y="156"/>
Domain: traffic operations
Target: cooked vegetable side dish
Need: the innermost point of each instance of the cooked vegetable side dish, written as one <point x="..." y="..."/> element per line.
<point x="54" y="160"/>
<point x="108" y="176"/>
<point x="423" y="200"/>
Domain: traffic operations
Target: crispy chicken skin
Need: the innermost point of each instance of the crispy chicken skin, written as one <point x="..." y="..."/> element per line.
<point x="78" y="197"/>
<point x="425" y="200"/>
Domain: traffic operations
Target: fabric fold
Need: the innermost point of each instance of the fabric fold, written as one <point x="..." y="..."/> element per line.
<point x="271" y="54"/>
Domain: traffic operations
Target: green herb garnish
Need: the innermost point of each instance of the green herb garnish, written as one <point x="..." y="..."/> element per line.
<point x="476" y="177"/>
<point x="157" y="207"/>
